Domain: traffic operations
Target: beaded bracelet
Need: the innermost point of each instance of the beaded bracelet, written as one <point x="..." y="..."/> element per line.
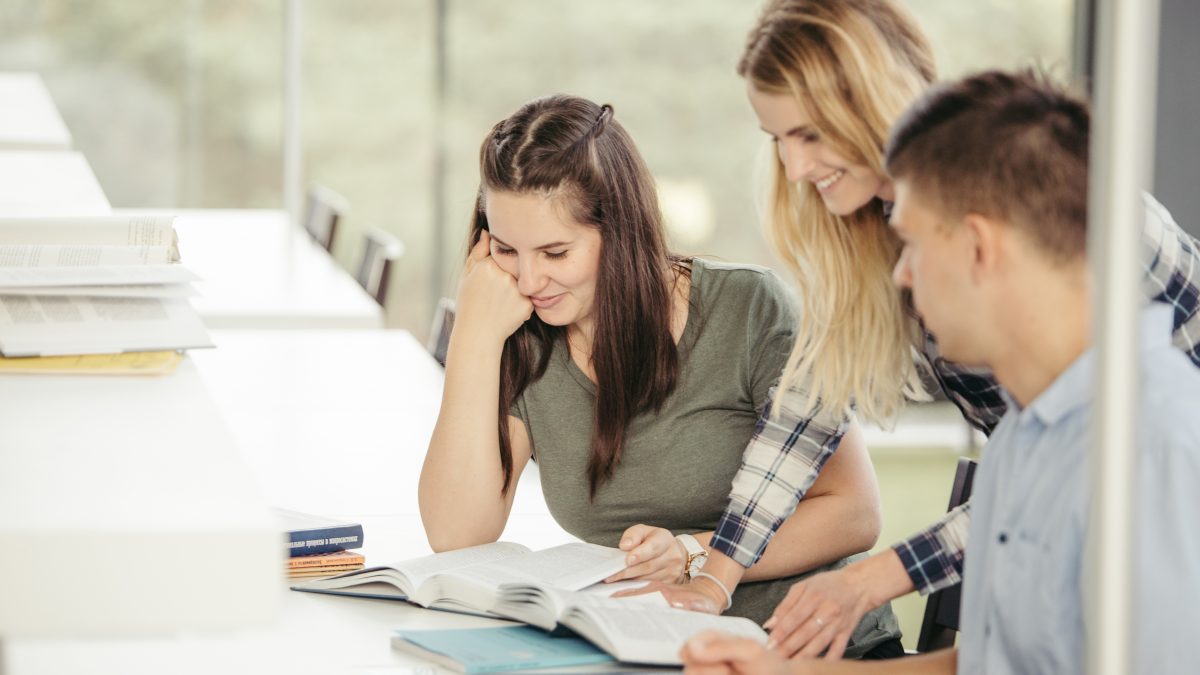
<point x="720" y="584"/>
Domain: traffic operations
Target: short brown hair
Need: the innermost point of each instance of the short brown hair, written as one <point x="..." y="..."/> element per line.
<point x="1012" y="146"/>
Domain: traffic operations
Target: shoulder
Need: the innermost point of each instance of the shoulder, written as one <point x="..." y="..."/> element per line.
<point x="1170" y="386"/>
<point x="753" y="285"/>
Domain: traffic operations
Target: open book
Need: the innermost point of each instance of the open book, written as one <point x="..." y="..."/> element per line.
<point x="94" y="285"/>
<point x="479" y="579"/>
<point x="551" y="589"/>
<point x="635" y="633"/>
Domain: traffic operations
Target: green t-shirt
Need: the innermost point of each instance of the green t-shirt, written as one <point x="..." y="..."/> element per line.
<point x="677" y="465"/>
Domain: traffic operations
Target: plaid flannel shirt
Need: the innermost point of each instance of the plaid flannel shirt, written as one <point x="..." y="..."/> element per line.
<point x="785" y="455"/>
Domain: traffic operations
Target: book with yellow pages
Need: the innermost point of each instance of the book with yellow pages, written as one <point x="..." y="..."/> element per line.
<point x="133" y="363"/>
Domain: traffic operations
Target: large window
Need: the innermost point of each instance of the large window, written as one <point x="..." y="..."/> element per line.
<point x="173" y="103"/>
<point x="180" y="103"/>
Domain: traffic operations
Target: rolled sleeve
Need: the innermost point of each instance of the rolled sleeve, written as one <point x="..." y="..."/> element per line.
<point x="782" y="461"/>
<point x="933" y="557"/>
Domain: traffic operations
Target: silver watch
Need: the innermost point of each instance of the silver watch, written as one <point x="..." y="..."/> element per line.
<point x="696" y="555"/>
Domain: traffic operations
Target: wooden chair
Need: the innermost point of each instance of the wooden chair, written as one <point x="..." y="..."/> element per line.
<point x="439" y="334"/>
<point x="323" y="209"/>
<point x="940" y="625"/>
<point x="380" y="250"/>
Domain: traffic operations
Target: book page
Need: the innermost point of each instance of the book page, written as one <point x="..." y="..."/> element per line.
<point x="127" y="230"/>
<point x="642" y="635"/>
<point x="73" y="255"/>
<point x="114" y="290"/>
<point x="420" y="569"/>
<point x="542" y="606"/>
<point x="62" y="325"/>
<point x="569" y="566"/>
<point x="16" y="278"/>
<point x="411" y="575"/>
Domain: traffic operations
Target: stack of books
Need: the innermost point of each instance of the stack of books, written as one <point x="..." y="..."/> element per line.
<point x="319" y="546"/>
<point x="99" y="285"/>
<point x="324" y="564"/>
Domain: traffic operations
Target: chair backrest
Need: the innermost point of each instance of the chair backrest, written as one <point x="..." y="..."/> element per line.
<point x="940" y="625"/>
<point x="439" y="334"/>
<point x="380" y="249"/>
<point x="323" y="209"/>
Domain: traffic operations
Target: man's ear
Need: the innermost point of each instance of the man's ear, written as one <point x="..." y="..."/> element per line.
<point x="985" y="237"/>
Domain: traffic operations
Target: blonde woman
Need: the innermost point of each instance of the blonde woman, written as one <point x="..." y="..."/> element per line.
<point x="827" y="79"/>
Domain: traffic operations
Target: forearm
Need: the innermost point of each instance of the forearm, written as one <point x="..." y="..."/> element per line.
<point x="941" y="662"/>
<point x="840" y="516"/>
<point x="460" y="487"/>
<point x="823" y="530"/>
<point x="882" y="577"/>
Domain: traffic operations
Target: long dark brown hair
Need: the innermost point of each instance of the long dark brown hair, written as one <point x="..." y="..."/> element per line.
<point x="569" y="148"/>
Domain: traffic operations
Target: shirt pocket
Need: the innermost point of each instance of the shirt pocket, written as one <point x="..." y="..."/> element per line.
<point x="1042" y="614"/>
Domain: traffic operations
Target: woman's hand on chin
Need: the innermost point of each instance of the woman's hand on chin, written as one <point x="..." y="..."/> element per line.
<point x="489" y="303"/>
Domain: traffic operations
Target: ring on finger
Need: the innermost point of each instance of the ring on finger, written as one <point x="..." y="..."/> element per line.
<point x="819" y="621"/>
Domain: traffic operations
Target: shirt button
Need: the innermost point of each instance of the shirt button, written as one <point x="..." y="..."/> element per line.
<point x="987" y="630"/>
<point x="1003" y="538"/>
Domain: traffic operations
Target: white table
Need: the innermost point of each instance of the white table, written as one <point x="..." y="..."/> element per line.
<point x="332" y="422"/>
<point x="260" y="272"/>
<point x="111" y="489"/>
<point x="315" y="634"/>
<point x="49" y="183"/>
<point x="29" y="120"/>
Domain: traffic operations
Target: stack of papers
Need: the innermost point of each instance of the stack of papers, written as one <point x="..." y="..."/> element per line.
<point x="100" y="285"/>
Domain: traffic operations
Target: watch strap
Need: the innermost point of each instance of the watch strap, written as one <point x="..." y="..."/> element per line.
<point x="695" y="553"/>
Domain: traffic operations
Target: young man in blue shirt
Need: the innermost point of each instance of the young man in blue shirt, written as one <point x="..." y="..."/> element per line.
<point x="991" y="185"/>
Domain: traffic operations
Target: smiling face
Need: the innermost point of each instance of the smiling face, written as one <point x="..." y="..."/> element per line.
<point x="844" y="186"/>
<point x="554" y="258"/>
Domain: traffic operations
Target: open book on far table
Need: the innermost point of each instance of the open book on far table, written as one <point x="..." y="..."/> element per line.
<point x="552" y="589"/>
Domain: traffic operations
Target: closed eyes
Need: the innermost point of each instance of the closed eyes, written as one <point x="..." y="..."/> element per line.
<point x="555" y="255"/>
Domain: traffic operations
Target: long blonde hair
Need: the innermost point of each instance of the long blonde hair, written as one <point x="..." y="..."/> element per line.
<point x="853" y="66"/>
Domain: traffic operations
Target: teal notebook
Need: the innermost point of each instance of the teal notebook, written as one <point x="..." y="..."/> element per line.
<point x="493" y="650"/>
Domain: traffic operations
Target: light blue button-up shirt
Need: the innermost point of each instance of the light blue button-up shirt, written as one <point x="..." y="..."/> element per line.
<point x="1025" y="568"/>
